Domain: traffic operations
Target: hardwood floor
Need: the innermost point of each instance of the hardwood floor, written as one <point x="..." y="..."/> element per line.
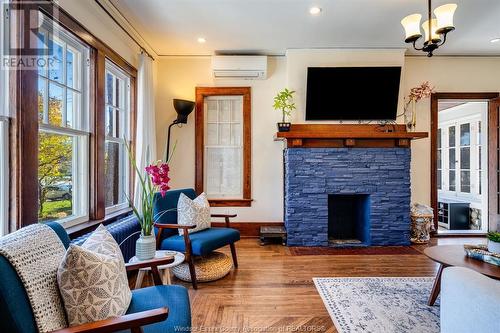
<point x="272" y="290"/>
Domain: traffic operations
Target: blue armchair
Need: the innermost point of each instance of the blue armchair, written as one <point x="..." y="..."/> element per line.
<point x="158" y="309"/>
<point x="196" y="244"/>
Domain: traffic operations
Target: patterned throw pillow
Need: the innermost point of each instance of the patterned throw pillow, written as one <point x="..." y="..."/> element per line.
<point x="193" y="212"/>
<point x="93" y="281"/>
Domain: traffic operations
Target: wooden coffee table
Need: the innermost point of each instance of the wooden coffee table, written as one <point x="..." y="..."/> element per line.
<point x="454" y="255"/>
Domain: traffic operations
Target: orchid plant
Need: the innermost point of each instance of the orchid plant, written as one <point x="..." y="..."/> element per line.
<point x="154" y="179"/>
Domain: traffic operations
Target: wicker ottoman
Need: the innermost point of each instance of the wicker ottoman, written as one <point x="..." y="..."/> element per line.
<point x="212" y="267"/>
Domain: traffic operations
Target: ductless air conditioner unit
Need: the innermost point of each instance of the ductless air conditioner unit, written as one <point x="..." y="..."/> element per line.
<point x="239" y="67"/>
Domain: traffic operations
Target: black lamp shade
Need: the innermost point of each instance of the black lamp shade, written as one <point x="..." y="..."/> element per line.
<point x="183" y="108"/>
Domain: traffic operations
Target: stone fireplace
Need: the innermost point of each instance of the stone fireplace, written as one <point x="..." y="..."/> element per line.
<point x="360" y="194"/>
<point x="347" y="189"/>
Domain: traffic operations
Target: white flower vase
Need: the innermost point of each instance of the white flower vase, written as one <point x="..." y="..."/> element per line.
<point x="493" y="247"/>
<point x="145" y="247"/>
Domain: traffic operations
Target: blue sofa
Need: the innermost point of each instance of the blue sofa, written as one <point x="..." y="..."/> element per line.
<point x="147" y="305"/>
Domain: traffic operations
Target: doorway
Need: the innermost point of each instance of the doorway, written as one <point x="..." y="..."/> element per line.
<point x="464" y="132"/>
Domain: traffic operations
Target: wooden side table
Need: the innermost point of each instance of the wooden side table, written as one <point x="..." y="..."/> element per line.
<point x="454" y="255"/>
<point x="164" y="270"/>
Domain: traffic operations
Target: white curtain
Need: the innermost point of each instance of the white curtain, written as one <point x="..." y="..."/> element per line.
<point x="145" y="151"/>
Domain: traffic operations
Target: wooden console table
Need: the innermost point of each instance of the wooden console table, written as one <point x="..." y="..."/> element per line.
<point x="346" y="135"/>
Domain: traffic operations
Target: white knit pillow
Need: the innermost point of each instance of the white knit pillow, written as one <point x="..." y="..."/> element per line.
<point x="193" y="212"/>
<point x="93" y="281"/>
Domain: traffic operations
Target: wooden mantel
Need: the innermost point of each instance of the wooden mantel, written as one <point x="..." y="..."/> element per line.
<point x="346" y="135"/>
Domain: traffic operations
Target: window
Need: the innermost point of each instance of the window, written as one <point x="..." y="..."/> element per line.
<point x="64" y="113"/>
<point x="223" y="167"/>
<point x="116" y="162"/>
<point x="68" y="149"/>
<point x="223" y="145"/>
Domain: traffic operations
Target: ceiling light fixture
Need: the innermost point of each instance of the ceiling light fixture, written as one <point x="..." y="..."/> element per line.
<point x="435" y="29"/>
<point x="495" y="40"/>
<point x="314" y="10"/>
<point x="201" y="40"/>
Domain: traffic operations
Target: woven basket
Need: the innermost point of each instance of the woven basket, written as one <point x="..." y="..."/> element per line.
<point x="212" y="267"/>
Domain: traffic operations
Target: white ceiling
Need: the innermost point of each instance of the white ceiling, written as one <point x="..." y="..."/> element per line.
<point x="172" y="27"/>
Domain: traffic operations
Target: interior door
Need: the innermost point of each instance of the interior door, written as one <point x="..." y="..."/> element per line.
<point x="493" y="164"/>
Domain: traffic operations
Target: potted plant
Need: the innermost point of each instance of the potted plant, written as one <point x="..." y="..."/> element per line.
<point x="494" y="242"/>
<point x="153" y="179"/>
<point x="283" y="102"/>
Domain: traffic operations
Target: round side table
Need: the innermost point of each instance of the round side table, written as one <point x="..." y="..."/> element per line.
<point x="164" y="269"/>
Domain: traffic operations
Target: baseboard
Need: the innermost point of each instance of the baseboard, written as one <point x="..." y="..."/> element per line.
<point x="248" y="229"/>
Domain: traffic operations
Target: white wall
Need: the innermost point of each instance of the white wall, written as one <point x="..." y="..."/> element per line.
<point x="178" y="77"/>
<point x="94" y="19"/>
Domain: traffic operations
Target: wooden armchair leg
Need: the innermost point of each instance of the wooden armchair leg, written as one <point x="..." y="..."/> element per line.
<point x="192" y="271"/>
<point x="233" y="253"/>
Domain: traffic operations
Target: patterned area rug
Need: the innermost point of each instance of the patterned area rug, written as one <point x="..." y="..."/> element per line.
<point x="380" y="305"/>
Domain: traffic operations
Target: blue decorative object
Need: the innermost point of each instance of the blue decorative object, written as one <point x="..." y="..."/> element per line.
<point x="312" y="174"/>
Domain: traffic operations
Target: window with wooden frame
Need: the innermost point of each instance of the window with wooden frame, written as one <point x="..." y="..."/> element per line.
<point x="223" y="145"/>
<point x="64" y="105"/>
<point x="63" y="139"/>
<point x="116" y="161"/>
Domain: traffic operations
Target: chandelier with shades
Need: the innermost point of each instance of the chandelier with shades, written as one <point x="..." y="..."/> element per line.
<point x="435" y="29"/>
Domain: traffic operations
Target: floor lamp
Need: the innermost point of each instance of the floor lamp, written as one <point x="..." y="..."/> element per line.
<point x="183" y="109"/>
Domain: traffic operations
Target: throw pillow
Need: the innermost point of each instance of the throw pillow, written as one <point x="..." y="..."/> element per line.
<point x="93" y="281"/>
<point x="193" y="212"/>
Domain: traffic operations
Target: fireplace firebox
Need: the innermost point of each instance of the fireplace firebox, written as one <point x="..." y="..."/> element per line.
<point x="349" y="219"/>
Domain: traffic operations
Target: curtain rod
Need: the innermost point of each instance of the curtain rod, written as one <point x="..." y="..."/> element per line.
<point x="143" y="50"/>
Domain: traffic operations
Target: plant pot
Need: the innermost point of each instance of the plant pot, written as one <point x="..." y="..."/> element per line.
<point x="493" y="247"/>
<point x="284" y="127"/>
<point x="145" y="247"/>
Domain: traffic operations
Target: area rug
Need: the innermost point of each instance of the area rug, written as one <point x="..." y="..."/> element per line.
<point x="371" y="250"/>
<point x="380" y="305"/>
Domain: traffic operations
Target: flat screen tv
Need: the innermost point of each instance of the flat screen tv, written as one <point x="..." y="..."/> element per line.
<point x="352" y="93"/>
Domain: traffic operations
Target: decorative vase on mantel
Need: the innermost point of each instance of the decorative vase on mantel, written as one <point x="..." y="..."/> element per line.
<point x="145" y="247"/>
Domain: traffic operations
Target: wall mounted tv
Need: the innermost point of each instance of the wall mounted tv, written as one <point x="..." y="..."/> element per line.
<point x="352" y="93"/>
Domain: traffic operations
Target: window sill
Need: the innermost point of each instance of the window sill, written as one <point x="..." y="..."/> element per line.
<point x="88" y="226"/>
<point x="230" y="202"/>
